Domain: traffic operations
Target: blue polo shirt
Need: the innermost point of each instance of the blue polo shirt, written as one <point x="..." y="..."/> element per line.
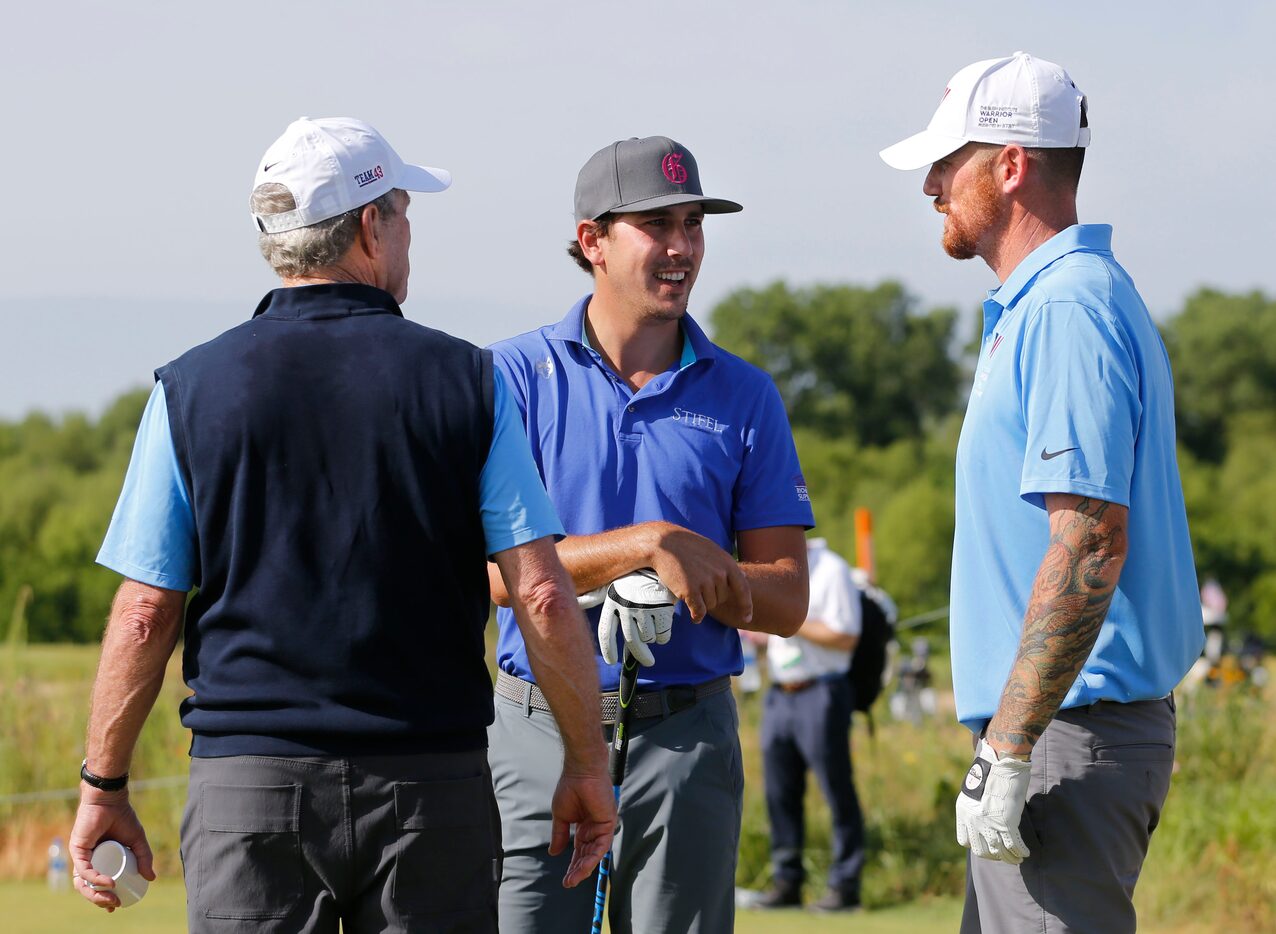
<point x="705" y="445"/>
<point x="1072" y="394"/>
<point x="152" y="533"/>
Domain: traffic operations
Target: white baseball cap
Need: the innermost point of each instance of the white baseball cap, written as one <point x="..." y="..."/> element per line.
<point x="333" y="165"/>
<point x="1019" y="99"/>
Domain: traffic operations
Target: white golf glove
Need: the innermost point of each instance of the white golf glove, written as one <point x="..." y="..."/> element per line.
<point x="591" y="598"/>
<point x="990" y="806"/>
<point x="643" y="609"/>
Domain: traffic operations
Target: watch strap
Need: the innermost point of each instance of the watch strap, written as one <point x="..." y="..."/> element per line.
<point x="99" y="782"/>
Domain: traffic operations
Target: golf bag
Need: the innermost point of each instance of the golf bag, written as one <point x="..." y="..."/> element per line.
<point x="877" y="630"/>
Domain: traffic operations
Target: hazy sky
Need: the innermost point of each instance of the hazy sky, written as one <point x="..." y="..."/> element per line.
<point x="133" y="129"/>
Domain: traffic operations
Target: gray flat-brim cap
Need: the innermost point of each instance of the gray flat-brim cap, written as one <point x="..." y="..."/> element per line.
<point x="642" y="175"/>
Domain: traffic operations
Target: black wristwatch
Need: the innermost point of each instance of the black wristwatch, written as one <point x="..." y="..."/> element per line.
<point x="100" y="783"/>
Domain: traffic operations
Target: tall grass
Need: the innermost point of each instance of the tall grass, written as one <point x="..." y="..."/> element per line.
<point x="44" y="700"/>
<point x="1214" y="852"/>
<point x="906" y="779"/>
<point x="1209" y="865"/>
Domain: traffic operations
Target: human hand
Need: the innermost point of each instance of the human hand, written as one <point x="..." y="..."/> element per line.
<point x="105" y="815"/>
<point x="699" y="573"/>
<point x="589" y="802"/>
<point x="991" y="803"/>
<point x="643" y="609"/>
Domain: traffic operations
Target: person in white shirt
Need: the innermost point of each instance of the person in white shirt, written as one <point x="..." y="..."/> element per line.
<point x="806" y="726"/>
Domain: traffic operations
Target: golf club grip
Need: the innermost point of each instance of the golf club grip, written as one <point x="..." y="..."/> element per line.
<point x="616" y="771"/>
<point x="620" y="738"/>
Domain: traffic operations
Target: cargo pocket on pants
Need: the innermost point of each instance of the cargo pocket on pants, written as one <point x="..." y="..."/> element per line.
<point x="249" y="851"/>
<point x="446" y="862"/>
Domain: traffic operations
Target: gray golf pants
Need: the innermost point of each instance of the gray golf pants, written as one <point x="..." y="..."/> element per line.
<point x="373" y="843"/>
<point x="675" y="851"/>
<point x="1100" y="775"/>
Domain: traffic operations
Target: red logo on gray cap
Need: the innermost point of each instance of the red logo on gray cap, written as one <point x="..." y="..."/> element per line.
<point x="671" y="165"/>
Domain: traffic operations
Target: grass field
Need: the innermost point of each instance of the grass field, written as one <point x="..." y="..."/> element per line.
<point x="29" y="907"/>
<point x="1209" y="868"/>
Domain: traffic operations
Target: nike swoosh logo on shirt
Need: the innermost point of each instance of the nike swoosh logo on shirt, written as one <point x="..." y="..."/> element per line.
<point x="1045" y="456"/>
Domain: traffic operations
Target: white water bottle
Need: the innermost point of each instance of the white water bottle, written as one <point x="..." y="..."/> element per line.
<point x="58" y="879"/>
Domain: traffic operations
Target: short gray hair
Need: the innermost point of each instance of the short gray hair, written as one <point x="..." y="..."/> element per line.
<point x="294" y="253"/>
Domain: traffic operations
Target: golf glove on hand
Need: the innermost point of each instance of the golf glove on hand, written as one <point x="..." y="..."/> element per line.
<point x="591" y="598"/>
<point x="990" y="806"/>
<point x="643" y="609"/>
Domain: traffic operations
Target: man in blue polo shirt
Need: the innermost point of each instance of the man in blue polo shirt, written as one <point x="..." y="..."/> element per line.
<point x="659" y="451"/>
<point x="1074" y="609"/>
<point x="332" y="477"/>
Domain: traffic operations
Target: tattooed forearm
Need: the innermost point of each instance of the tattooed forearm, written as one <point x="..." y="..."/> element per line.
<point x="1070" y="598"/>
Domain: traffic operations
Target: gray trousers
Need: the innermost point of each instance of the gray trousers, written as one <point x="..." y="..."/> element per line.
<point x="675" y="851"/>
<point x="1100" y="775"/>
<point x="373" y="843"/>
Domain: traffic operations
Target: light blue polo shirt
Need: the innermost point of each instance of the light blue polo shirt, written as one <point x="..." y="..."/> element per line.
<point x="1072" y="394"/>
<point x="705" y="445"/>
<point x="152" y="533"/>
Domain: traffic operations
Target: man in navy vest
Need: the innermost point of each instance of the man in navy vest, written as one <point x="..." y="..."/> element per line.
<point x="331" y="478"/>
<point x="661" y="451"/>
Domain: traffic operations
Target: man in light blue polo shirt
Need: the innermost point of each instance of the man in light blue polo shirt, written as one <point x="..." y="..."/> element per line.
<point x="659" y="451"/>
<point x="1074" y="609"/>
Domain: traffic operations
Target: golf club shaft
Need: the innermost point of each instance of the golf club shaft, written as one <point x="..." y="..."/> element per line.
<point x="616" y="769"/>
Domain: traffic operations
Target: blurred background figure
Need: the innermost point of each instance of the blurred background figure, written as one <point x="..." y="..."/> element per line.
<point x="58" y="877"/>
<point x="914" y="696"/>
<point x="749" y="681"/>
<point x="1213" y="603"/>
<point x="806" y="725"/>
<point x="1224" y="662"/>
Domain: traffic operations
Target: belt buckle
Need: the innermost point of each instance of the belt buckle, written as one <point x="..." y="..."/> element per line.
<point x="679" y="698"/>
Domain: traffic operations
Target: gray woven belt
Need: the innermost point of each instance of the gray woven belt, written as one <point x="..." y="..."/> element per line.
<point x="656" y="703"/>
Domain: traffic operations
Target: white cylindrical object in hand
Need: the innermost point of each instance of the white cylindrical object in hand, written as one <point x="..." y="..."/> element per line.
<point x="114" y="859"/>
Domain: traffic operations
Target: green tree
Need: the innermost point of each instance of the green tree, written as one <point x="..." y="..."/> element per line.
<point x="849" y="361"/>
<point x="1223" y="349"/>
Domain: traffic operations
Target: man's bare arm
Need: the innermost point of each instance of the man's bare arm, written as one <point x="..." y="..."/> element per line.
<point x="560" y="650"/>
<point x="1070" y="598"/>
<point x="774" y="563"/>
<point x="595" y="560"/>
<point x="140" y="636"/>
<point x="697" y="571"/>
<point x="822" y="634"/>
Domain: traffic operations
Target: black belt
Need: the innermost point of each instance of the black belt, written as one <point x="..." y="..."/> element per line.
<point x="659" y="702"/>
<point x="793" y="687"/>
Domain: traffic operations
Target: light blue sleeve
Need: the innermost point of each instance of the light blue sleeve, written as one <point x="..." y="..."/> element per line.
<point x="152" y="534"/>
<point x="1081" y="406"/>
<point x="515" y="507"/>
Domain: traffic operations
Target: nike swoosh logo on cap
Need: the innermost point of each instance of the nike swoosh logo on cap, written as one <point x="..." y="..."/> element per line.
<point x="267" y="168"/>
<point x="1047" y="456"/>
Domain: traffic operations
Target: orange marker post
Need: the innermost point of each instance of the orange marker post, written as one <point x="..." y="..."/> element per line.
<point x="864" y="542"/>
